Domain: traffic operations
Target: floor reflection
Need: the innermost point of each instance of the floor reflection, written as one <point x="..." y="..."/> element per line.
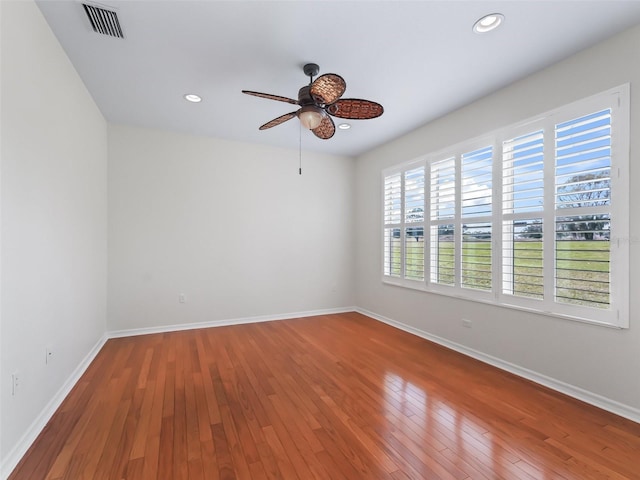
<point x="442" y="430"/>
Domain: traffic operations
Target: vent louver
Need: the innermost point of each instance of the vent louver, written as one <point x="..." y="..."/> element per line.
<point x="103" y="21"/>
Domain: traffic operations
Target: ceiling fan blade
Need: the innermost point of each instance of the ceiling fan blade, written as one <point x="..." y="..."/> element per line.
<point x="326" y="129"/>
<point x="355" y="109"/>
<point x="278" y="121"/>
<point x="271" y="97"/>
<point x="327" y="88"/>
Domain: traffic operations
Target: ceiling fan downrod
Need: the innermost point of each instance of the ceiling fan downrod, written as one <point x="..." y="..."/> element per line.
<point x="311" y="70"/>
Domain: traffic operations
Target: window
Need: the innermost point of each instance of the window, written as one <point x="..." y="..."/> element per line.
<point x="534" y="216"/>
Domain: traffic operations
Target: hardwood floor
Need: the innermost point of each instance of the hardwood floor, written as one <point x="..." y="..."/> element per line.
<point x="329" y="397"/>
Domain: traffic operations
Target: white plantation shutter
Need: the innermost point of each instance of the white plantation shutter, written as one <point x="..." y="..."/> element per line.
<point x="414" y="223"/>
<point x="442" y="212"/>
<point x="414" y="195"/>
<point x="523" y="174"/>
<point x="392" y="220"/>
<point x="392" y="199"/>
<point x="476" y="171"/>
<point x="522" y="206"/>
<point x="443" y="189"/>
<point x="477" y="183"/>
<point x="583" y="161"/>
<point x="582" y="206"/>
<point x="533" y="216"/>
<point x="403" y="235"/>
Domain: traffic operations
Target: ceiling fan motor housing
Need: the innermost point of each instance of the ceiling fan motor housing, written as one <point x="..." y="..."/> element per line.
<point x="304" y="96"/>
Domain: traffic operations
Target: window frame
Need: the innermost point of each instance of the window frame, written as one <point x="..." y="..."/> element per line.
<point x="617" y="316"/>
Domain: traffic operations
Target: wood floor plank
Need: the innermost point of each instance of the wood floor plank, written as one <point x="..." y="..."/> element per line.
<point x="152" y="440"/>
<point x="335" y="397"/>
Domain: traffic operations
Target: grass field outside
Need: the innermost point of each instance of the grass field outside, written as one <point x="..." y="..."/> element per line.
<point x="581" y="274"/>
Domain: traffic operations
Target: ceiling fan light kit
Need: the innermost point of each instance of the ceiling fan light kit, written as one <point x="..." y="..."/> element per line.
<point x="320" y="100"/>
<point x="310" y="116"/>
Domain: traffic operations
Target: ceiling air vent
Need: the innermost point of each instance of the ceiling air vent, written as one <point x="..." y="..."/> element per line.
<point x="103" y="21"/>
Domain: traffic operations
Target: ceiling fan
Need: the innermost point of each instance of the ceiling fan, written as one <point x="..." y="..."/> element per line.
<point x="319" y="101"/>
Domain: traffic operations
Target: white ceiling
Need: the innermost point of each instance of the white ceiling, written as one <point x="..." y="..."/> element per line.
<point x="419" y="59"/>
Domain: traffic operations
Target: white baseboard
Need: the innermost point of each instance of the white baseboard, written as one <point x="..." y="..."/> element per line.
<point x="586" y="396"/>
<point x="223" y="323"/>
<point x="17" y="452"/>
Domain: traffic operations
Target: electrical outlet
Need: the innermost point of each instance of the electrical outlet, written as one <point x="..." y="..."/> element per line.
<point x="466" y="323"/>
<point x="182" y="298"/>
<point x="15" y="383"/>
<point x="48" y="358"/>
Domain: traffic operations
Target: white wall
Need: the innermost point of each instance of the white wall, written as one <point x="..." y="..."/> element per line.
<point x="54" y="213"/>
<point x="600" y="360"/>
<point x="232" y="226"/>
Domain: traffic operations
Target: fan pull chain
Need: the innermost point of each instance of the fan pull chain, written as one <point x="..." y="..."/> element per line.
<point x="300" y="150"/>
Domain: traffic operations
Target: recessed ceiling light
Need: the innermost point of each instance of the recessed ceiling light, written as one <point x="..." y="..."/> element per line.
<point x="192" y="97"/>
<point x="488" y="23"/>
<point x="344" y="126"/>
